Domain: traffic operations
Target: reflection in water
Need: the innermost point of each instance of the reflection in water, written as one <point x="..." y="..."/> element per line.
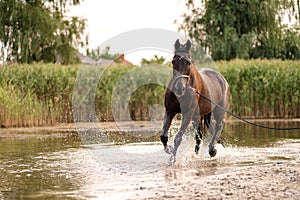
<point x="57" y="165"/>
<point x="36" y="163"/>
<point x="242" y="134"/>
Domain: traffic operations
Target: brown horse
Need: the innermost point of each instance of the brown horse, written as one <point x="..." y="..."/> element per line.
<point x="180" y="97"/>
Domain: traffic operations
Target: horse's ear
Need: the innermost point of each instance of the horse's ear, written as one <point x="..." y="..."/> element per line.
<point x="188" y="45"/>
<point x="177" y="44"/>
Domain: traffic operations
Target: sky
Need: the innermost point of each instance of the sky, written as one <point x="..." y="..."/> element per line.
<point x="108" y="18"/>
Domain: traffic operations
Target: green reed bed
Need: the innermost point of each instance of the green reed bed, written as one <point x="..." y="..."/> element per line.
<point x="41" y="94"/>
<point x="35" y="95"/>
<point x="263" y="88"/>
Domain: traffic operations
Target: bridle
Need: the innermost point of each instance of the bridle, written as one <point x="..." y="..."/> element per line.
<point x="179" y="77"/>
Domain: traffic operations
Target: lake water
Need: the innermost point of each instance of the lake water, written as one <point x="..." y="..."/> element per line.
<point x="54" y="165"/>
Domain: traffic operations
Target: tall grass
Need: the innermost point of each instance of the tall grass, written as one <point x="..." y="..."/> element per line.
<point x="38" y="94"/>
<point x="263" y="88"/>
<point x="41" y="94"/>
<point x="20" y="110"/>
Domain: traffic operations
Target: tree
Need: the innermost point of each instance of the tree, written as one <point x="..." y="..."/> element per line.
<point x="38" y="30"/>
<point x="96" y="54"/>
<point x="155" y="60"/>
<point x="241" y="28"/>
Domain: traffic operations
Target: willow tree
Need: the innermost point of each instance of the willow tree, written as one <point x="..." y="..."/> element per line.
<point x="38" y="30"/>
<point x="244" y="28"/>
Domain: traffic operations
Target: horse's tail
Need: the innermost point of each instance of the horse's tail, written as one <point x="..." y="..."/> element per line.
<point x="205" y="122"/>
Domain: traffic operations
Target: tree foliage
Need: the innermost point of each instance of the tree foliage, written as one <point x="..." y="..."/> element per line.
<point x="38" y="30"/>
<point x="97" y="54"/>
<point x="155" y="60"/>
<point x="244" y="28"/>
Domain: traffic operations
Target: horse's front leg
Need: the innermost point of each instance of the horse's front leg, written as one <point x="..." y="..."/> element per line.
<point x="178" y="138"/>
<point x="164" y="136"/>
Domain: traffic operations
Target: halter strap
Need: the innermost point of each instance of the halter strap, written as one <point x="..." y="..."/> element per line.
<point x="181" y="76"/>
<point x="184" y="55"/>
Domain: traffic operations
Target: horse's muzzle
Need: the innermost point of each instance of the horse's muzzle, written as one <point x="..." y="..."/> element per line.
<point x="180" y="85"/>
<point x="179" y="91"/>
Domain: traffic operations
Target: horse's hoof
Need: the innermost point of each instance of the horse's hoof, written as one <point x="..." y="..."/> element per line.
<point x="169" y="149"/>
<point x="213" y="152"/>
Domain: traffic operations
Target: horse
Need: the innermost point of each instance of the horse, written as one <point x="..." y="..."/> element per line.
<point x="181" y="98"/>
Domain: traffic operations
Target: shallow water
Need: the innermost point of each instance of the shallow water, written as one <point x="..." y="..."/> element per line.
<point x="58" y="165"/>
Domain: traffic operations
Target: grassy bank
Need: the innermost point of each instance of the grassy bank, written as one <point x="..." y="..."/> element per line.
<point x="41" y="94"/>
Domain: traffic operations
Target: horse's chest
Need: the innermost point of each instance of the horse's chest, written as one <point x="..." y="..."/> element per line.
<point x="172" y="103"/>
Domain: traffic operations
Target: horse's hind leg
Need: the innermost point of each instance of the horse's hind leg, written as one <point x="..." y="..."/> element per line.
<point x="219" y="117"/>
<point x="198" y="136"/>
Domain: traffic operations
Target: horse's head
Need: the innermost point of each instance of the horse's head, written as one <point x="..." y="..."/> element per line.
<point x="181" y="67"/>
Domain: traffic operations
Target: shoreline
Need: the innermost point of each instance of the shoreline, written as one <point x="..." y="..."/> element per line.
<point x="119" y="126"/>
<point x="278" y="180"/>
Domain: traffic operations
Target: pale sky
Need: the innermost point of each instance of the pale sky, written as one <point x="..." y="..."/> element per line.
<point x="108" y="18"/>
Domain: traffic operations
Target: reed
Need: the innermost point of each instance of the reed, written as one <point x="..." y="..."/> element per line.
<point x="36" y="95"/>
<point x="41" y="94"/>
<point x="263" y="88"/>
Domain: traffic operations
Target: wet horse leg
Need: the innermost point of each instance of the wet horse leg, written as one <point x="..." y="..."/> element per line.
<point x="219" y="117"/>
<point x="166" y="125"/>
<point x="178" y="138"/>
<point x="198" y="136"/>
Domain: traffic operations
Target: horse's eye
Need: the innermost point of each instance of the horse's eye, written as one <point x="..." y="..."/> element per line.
<point x="173" y="62"/>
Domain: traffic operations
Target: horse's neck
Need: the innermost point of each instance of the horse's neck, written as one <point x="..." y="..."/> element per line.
<point x="197" y="77"/>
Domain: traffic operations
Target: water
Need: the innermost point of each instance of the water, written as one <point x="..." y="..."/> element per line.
<point x="47" y="165"/>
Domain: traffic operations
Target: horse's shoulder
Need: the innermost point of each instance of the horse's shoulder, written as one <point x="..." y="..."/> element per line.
<point x="211" y="75"/>
<point x="207" y="72"/>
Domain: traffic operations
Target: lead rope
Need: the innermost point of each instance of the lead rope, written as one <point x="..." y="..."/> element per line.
<point x="240" y="118"/>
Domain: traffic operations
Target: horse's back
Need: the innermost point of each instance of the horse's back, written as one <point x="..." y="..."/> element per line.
<point x="216" y="84"/>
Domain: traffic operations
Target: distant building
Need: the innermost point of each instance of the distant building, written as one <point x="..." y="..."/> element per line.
<point x="122" y="60"/>
<point x="86" y="60"/>
<point x="103" y="61"/>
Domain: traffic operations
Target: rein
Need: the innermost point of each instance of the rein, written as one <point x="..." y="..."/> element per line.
<point x="240" y="118"/>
